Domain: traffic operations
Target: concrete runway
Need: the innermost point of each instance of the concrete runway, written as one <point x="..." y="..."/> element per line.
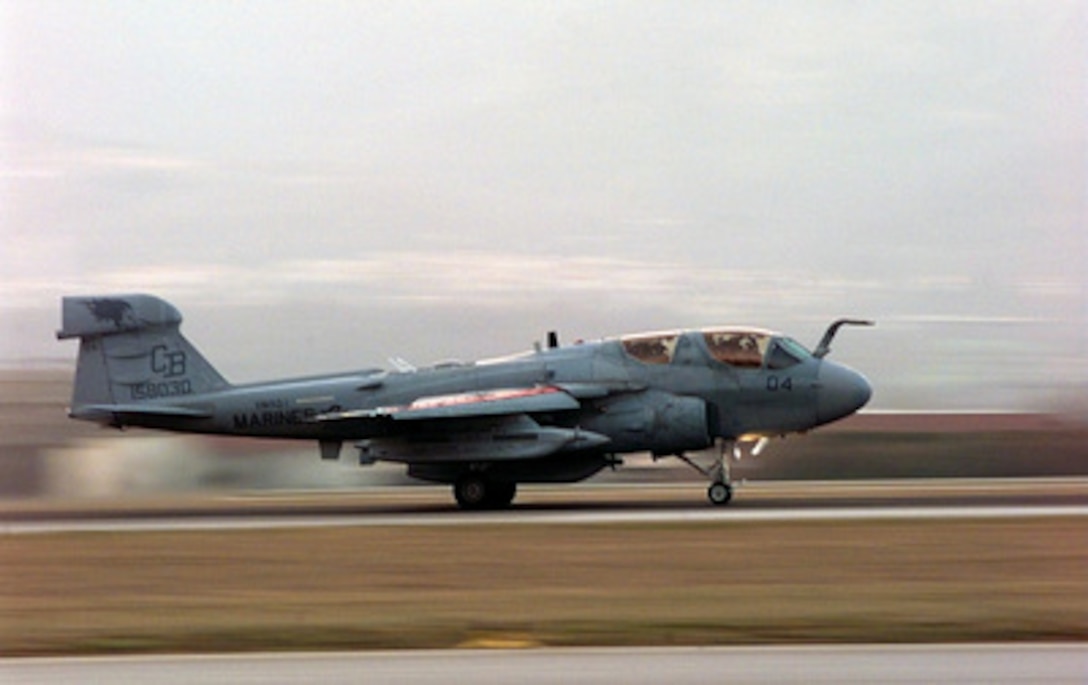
<point x="757" y="502"/>
<point x="1001" y="664"/>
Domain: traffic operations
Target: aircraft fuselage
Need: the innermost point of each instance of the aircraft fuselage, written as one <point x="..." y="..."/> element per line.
<point x="553" y="414"/>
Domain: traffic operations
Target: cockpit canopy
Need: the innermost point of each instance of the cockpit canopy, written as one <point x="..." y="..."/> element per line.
<point x="744" y="348"/>
<point x="652" y="348"/>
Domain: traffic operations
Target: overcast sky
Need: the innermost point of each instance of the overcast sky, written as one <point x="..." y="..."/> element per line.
<point x="322" y="185"/>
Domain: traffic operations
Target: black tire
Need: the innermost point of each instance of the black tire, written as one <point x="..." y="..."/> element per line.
<point x="501" y="495"/>
<point x="719" y="493"/>
<point x="472" y="491"/>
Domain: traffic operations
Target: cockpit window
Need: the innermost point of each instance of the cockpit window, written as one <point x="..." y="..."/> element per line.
<point x="657" y="348"/>
<point x="744" y="349"/>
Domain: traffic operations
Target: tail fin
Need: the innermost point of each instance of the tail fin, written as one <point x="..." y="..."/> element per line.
<point x="131" y="351"/>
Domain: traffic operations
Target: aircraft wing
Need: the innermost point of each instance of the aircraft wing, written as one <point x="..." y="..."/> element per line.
<point x="469" y="405"/>
<point x="490" y="424"/>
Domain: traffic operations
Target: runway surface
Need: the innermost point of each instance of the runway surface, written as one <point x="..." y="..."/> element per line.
<point x="995" y="664"/>
<point x="756" y="502"/>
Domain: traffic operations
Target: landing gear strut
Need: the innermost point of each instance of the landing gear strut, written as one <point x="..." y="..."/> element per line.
<point x="720" y="491"/>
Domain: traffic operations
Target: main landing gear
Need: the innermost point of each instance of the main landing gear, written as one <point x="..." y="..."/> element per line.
<point x="474" y="491"/>
<point x="720" y="491"/>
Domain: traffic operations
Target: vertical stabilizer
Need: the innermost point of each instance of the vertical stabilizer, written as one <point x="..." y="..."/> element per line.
<point x="131" y="351"/>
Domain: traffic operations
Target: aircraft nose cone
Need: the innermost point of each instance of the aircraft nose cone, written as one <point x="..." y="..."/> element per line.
<point x="842" y="391"/>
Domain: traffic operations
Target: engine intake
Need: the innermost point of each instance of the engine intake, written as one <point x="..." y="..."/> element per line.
<point x="659" y="421"/>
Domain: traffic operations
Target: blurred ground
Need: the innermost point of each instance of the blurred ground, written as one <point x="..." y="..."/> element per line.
<point x="43" y="453"/>
<point x="521" y="585"/>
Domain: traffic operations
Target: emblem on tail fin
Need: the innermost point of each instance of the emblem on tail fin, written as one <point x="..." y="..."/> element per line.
<point x="117" y="312"/>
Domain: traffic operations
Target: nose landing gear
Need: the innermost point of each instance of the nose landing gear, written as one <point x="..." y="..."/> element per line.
<point x="720" y="491"/>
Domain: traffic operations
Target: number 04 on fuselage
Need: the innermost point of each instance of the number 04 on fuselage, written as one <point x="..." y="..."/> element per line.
<point x="558" y="414"/>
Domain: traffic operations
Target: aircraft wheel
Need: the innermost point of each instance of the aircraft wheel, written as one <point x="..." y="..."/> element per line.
<point x="472" y="491"/>
<point x="719" y="493"/>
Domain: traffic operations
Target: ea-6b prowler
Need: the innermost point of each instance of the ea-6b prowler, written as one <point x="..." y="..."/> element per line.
<point x="552" y="415"/>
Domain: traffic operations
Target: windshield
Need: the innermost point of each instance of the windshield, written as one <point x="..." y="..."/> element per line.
<point x="786" y="352"/>
<point x="794" y="347"/>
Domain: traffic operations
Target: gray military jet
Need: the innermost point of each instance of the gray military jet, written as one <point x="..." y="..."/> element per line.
<point x="557" y="414"/>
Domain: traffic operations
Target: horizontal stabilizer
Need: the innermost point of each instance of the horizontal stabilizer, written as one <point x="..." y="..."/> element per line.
<point x="117" y="413"/>
<point x="501" y="402"/>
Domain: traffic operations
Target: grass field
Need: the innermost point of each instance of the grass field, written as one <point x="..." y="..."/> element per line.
<point x="351" y="588"/>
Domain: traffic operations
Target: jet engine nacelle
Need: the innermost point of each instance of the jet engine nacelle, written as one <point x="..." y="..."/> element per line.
<point x="653" y="421"/>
